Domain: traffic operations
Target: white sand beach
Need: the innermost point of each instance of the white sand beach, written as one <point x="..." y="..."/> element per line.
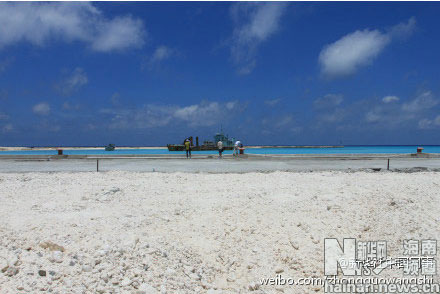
<point x="131" y="232"/>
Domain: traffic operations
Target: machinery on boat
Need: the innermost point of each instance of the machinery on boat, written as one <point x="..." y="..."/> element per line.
<point x="228" y="144"/>
<point x="110" y="147"/>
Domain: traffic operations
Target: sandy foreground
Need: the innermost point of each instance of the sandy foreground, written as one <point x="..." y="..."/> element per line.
<point x="131" y="232"/>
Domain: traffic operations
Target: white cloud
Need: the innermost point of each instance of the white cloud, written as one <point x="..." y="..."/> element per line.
<point x="329" y="109"/>
<point x="42" y="108"/>
<point x="150" y="116"/>
<point x="382" y="114"/>
<point x="429" y="123"/>
<point x="395" y="114"/>
<point x="425" y="123"/>
<point x="73" y="82"/>
<point x="118" y="34"/>
<point x="403" y="30"/>
<point x="91" y="127"/>
<point x="254" y="24"/>
<point x="374" y="115"/>
<point x="161" y="53"/>
<point x="334" y="116"/>
<point x="389" y="99"/>
<point x="283" y="121"/>
<point x="272" y="102"/>
<point x="204" y="113"/>
<point x="39" y="23"/>
<point x="422" y="102"/>
<point x="231" y="105"/>
<point x="352" y="51"/>
<point x="297" y="129"/>
<point x="355" y="50"/>
<point x="329" y="100"/>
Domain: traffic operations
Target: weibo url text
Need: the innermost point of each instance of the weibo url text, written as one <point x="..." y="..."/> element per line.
<point x="360" y="284"/>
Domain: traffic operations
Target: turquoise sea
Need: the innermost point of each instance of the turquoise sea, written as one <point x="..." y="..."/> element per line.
<point x="340" y="150"/>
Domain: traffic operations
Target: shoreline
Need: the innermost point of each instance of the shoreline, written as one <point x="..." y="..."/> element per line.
<point x="176" y="155"/>
<point x="22" y="148"/>
<point x="5" y="148"/>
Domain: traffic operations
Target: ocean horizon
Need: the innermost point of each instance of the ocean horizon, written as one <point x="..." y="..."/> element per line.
<point x="255" y="149"/>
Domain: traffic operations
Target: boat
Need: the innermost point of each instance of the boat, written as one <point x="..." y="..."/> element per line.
<point x="228" y="144"/>
<point x="110" y="147"/>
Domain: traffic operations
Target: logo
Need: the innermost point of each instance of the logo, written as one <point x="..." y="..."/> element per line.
<point x="355" y="258"/>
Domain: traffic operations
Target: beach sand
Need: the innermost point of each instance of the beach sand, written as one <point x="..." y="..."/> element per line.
<point x="131" y="232"/>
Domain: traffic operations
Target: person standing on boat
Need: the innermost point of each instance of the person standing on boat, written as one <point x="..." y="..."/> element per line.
<point x="188" y="148"/>
<point x="220" y="148"/>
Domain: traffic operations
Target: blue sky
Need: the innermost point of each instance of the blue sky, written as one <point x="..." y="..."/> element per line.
<point x="147" y="74"/>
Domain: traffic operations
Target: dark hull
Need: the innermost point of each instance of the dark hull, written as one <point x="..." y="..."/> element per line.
<point x="172" y="147"/>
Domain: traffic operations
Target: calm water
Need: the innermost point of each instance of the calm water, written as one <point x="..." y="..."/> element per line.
<point x="342" y="150"/>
